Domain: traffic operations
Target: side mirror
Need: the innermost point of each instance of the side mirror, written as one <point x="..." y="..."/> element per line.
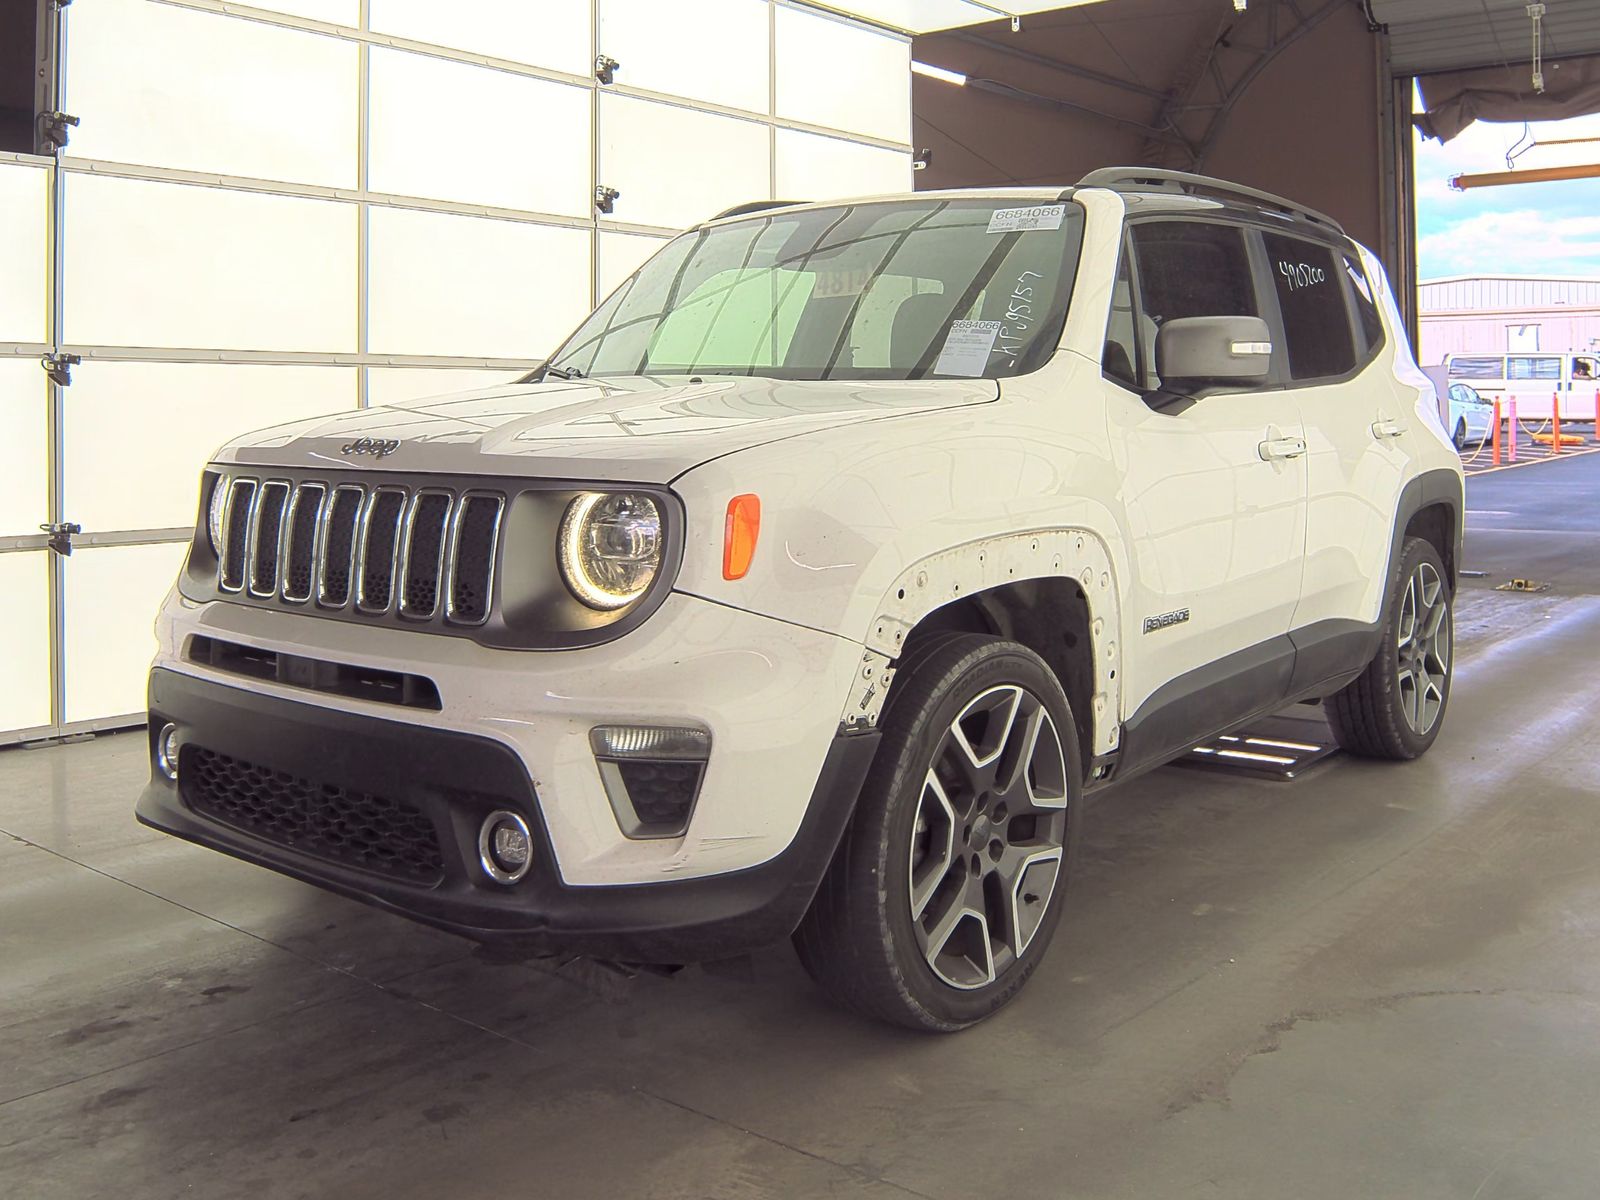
<point x="1208" y="351"/>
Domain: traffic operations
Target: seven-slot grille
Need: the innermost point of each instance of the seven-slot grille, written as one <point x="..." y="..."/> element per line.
<point x="425" y="552"/>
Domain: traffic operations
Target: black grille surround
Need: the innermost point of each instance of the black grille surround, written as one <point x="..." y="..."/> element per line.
<point x="466" y="556"/>
<point x="374" y="833"/>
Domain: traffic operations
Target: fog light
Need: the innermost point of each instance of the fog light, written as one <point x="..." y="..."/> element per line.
<point x="652" y="775"/>
<point x="505" y="847"/>
<point x="167" y="751"/>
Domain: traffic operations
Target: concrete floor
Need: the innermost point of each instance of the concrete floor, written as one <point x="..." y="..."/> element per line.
<point x="1376" y="982"/>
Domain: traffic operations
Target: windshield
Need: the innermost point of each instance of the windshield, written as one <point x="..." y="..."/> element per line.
<point x="903" y="290"/>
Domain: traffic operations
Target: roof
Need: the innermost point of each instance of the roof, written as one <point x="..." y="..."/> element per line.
<point x="1447" y="35"/>
<point x="1511" y="279"/>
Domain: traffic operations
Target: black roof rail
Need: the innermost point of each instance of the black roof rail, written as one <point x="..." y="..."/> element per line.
<point x="1148" y="179"/>
<point x="753" y="206"/>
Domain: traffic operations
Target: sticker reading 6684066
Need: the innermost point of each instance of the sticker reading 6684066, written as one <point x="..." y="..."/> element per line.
<point x="1020" y="220"/>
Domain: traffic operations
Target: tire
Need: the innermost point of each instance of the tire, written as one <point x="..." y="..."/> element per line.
<point x="1395" y="708"/>
<point x="1460" y="438"/>
<point x="947" y="887"/>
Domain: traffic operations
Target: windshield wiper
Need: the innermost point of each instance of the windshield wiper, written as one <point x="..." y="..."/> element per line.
<point x="564" y="372"/>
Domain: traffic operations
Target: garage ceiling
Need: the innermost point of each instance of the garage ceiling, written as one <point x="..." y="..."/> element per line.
<point x="1448" y="35"/>
<point x="928" y="16"/>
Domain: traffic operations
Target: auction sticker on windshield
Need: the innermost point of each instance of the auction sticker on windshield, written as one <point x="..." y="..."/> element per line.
<point x="1021" y="220"/>
<point x="966" y="348"/>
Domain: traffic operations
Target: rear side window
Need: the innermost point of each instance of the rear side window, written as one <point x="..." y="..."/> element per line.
<point x="1523" y="367"/>
<point x="1366" y="303"/>
<point x="1316" y="323"/>
<point x="1477" y="368"/>
<point x="1193" y="269"/>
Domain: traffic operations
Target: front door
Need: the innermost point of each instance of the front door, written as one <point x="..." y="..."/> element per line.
<point x="1214" y="496"/>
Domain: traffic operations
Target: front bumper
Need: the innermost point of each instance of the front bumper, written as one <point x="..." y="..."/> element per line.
<point x="769" y="694"/>
<point x="456" y="779"/>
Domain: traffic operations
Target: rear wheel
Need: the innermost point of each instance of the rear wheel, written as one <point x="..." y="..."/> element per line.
<point x="1395" y="708"/>
<point x="947" y="887"/>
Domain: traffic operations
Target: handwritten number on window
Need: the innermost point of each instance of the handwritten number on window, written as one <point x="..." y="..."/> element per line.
<point x="1301" y="275"/>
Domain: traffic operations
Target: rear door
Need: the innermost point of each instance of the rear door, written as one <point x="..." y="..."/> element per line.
<point x="1360" y="428"/>
<point x="1213" y="493"/>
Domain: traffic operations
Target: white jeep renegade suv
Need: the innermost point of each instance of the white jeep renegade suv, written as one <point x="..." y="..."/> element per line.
<point x="816" y="579"/>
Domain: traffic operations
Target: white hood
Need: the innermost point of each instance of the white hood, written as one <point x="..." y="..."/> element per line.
<point x="640" y="429"/>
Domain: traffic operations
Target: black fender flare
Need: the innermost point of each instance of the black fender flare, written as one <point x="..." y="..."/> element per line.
<point x="1439" y="486"/>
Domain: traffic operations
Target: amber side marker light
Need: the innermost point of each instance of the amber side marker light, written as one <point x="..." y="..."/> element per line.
<point x="739" y="535"/>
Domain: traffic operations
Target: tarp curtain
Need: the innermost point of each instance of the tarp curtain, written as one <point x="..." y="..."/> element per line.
<point x="1457" y="99"/>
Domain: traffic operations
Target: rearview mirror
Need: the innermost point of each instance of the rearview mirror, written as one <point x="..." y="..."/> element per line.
<point x="1206" y="351"/>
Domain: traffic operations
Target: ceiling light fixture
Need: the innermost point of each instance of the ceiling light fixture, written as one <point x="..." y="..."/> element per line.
<point x="932" y="72"/>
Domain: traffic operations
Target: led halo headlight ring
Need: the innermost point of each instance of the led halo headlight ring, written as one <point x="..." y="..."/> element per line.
<point x="610" y="548"/>
<point x="216" y="512"/>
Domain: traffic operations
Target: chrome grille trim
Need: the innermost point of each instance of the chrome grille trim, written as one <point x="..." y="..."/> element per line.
<point x="326" y="533"/>
<point x="315" y="493"/>
<point x="372" y="525"/>
<point x="420" y="552"/>
<point x="264" y="568"/>
<point x="401" y="587"/>
<point x="452" y="606"/>
<point x="234" y="560"/>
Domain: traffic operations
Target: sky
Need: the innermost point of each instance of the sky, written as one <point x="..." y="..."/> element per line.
<point x="1526" y="229"/>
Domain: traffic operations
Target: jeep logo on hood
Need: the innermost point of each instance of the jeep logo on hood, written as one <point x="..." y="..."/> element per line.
<point x="377" y="447"/>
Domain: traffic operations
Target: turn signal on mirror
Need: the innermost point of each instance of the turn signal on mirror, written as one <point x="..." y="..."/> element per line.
<point x="740" y="534"/>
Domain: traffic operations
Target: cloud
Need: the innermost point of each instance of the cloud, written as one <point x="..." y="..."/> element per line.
<point x="1525" y="229"/>
<point x="1518" y="242"/>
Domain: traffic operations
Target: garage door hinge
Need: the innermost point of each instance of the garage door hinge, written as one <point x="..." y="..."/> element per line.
<point x="53" y="130"/>
<point x="59" y="367"/>
<point x="61" y="535"/>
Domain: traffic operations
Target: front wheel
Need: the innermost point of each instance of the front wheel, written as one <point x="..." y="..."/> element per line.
<point x="948" y="884"/>
<point x="1395" y="708"/>
<point x="1460" y="437"/>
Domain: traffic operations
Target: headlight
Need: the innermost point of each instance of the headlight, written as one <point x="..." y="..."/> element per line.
<point x="215" y="513"/>
<point x="610" y="547"/>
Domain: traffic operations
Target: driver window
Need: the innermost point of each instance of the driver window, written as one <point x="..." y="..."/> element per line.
<point x="1192" y="269"/>
<point x="1585" y="369"/>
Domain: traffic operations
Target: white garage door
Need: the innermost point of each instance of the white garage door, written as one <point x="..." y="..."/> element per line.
<point x="309" y="205"/>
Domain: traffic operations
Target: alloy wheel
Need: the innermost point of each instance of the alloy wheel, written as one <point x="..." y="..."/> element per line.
<point x="1424" y="646"/>
<point x="986" y="847"/>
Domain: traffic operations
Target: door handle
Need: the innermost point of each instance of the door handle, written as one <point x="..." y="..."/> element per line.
<point x="1385" y="428"/>
<point x="1277" y="449"/>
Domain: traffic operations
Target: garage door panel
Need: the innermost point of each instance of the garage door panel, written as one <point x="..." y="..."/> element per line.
<point x="138" y="434"/>
<point x="418" y="149"/>
<point x="646" y="150"/>
<point x="714" y="50"/>
<point x="163" y="264"/>
<point x="24" y="447"/>
<point x="171" y="87"/>
<point x="25" y="640"/>
<point x="549" y="33"/>
<point x="471" y="286"/>
<point x="823" y="168"/>
<point x="335" y="12"/>
<point x="111" y="594"/>
<point x="24" y="251"/>
<point x="842" y="76"/>
<point x="393" y="385"/>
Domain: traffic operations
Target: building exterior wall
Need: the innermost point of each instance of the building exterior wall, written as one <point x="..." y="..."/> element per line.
<point x="1501" y="315"/>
